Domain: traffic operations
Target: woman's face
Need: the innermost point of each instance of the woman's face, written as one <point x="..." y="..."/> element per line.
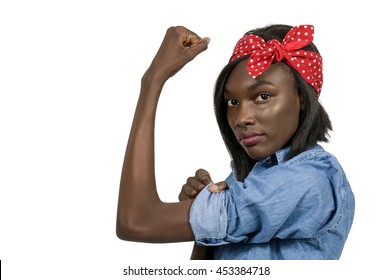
<point x="263" y="112"/>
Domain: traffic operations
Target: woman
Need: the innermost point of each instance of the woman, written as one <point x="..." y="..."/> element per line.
<point x="286" y="198"/>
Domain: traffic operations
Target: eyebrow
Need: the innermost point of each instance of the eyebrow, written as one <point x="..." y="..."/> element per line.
<point x="260" y="83"/>
<point x="254" y="85"/>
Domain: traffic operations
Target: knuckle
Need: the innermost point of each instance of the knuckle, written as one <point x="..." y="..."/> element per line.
<point x="188" y="181"/>
<point x="201" y="172"/>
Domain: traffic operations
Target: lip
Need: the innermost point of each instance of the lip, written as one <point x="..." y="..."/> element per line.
<point x="249" y="138"/>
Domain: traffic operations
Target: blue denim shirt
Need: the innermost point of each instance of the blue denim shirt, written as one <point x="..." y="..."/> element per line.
<point x="302" y="208"/>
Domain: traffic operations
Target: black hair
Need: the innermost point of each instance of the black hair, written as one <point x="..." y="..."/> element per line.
<point x="314" y="123"/>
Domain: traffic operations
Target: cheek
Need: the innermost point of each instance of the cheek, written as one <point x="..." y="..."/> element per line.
<point x="230" y="119"/>
<point x="282" y="121"/>
<point x="289" y="121"/>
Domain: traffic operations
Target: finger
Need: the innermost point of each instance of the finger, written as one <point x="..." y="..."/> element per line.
<point x="187" y="193"/>
<point x="190" y="191"/>
<point x="200" y="46"/>
<point x="195" y="184"/>
<point x="203" y="176"/>
<point x="191" y="41"/>
<point x="193" y="45"/>
<point x="182" y="197"/>
<point x="218" y="187"/>
<point x="189" y="38"/>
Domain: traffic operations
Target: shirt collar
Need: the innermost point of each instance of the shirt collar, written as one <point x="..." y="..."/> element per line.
<point x="281" y="155"/>
<point x="278" y="158"/>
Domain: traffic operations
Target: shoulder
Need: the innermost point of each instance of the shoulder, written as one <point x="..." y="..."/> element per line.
<point x="312" y="168"/>
<point x="307" y="172"/>
<point x="316" y="158"/>
<point x="319" y="166"/>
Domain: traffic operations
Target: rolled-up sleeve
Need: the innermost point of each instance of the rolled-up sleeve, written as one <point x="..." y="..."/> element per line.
<point x="296" y="205"/>
<point x="208" y="217"/>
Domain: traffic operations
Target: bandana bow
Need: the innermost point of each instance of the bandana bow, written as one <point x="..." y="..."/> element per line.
<point x="308" y="64"/>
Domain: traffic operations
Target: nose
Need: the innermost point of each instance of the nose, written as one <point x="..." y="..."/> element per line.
<point x="244" y="116"/>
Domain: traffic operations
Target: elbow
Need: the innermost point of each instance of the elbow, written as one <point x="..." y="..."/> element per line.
<point x="135" y="230"/>
<point x="129" y="231"/>
<point x="123" y="232"/>
<point x="135" y="225"/>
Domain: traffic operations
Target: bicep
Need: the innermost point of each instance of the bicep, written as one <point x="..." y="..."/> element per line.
<point x="159" y="223"/>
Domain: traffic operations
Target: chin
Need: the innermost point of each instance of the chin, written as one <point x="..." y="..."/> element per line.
<point x="261" y="151"/>
<point x="259" y="156"/>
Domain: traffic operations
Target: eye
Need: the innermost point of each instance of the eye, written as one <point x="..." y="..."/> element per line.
<point x="231" y="102"/>
<point x="262" y="97"/>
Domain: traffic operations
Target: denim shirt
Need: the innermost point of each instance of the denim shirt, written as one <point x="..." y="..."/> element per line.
<point x="302" y="208"/>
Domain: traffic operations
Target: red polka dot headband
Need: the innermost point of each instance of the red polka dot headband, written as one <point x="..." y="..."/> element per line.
<point x="263" y="54"/>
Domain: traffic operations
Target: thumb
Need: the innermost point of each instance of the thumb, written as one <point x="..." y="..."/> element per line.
<point x="205" y="40"/>
<point x="218" y="187"/>
<point x="197" y="45"/>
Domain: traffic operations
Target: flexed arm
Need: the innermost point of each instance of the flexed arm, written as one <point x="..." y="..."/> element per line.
<point x="141" y="215"/>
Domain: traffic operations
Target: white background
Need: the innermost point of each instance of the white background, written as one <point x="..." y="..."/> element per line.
<point x="69" y="80"/>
